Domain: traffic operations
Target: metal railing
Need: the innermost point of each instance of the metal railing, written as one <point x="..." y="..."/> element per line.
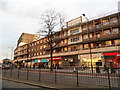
<point x="105" y="77"/>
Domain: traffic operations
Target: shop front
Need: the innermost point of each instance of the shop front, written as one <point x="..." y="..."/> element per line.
<point x="112" y="58"/>
<point x="87" y="60"/>
<point x="56" y="61"/>
<point x="44" y="63"/>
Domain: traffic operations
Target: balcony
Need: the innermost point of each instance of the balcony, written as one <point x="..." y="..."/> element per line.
<point x="102" y="37"/>
<point x="63" y="44"/>
<point x="20" y="54"/>
<point x="117" y="24"/>
<point x="106" y="49"/>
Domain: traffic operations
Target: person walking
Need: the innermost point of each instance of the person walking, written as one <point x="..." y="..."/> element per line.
<point x="105" y="67"/>
<point x="112" y="67"/>
<point x="34" y="66"/>
<point x="97" y="69"/>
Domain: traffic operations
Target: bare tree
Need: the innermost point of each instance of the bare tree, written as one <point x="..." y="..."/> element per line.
<point x="51" y="21"/>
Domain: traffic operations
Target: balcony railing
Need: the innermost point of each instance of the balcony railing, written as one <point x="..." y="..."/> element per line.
<point x="103" y="37"/>
<point x="100" y="27"/>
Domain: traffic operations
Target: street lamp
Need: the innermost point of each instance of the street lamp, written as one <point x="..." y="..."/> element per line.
<point x="89" y="40"/>
<point x="11" y="51"/>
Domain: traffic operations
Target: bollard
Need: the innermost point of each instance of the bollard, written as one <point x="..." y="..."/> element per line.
<point x="11" y="72"/>
<point x="119" y="79"/>
<point x="27" y="73"/>
<point x="109" y="79"/>
<point x="55" y="75"/>
<point x="39" y="74"/>
<point x="77" y="77"/>
<point x="18" y="72"/>
<point x="5" y="72"/>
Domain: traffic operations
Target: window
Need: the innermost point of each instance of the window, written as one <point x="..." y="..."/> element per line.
<point x="108" y="42"/>
<point x="113" y="20"/>
<point x="86" y="46"/>
<point x="65" y="41"/>
<point x="117" y="41"/>
<point x="115" y="30"/>
<point x="75" y="39"/>
<point x="98" y="44"/>
<point x="105" y="22"/>
<point x="84" y="27"/>
<point x="107" y="32"/>
<point x="65" y="34"/>
<point x="85" y="36"/>
<point x="65" y="49"/>
<point x="74" y="31"/>
<point x="90" y="27"/>
<point x="81" y="46"/>
<point x="97" y="25"/>
<point x="37" y="54"/>
<point x="98" y="35"/>
<point x="92" y="45"/>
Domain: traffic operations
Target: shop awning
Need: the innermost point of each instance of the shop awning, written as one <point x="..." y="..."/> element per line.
<point x="111" y="54"/>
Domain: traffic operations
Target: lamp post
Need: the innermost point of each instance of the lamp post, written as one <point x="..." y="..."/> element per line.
<point x="89" y="40"/>
<point x="11" y="64"/>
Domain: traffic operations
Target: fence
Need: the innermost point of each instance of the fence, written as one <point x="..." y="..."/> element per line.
<point x="105" y="77"/>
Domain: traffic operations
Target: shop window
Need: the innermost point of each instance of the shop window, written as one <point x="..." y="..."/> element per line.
<point x="108" y="43"/>
<point x="117" y="41"/>
<point x="115" y="30"/>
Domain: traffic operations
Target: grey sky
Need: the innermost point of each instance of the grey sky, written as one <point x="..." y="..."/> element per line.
<point x="17" y="16"/>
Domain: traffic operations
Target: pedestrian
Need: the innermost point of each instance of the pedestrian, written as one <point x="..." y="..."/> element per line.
<point x="83" y="67"/>
<point x="112" y="68"/>
<point x="74" y="69"/>
<point x="33" y="66"/>
<point x="105" y="67"/>
<point x="97" y="69"/>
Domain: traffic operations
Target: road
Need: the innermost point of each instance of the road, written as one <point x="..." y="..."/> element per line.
<point x="10" y="84"/>
<point x="87" y="79"/>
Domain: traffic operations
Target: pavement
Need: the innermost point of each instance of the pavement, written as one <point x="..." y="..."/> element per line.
<point x="52" y="84"/>
<point x="58" y="86"/>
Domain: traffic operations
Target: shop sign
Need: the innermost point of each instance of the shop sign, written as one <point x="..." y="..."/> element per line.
<point x="38" y="61"/>
<point x="112" y="54"/>
<point x="44" y="60"/>
<point x="55" y="58"/>
<point x="35" y="61"/>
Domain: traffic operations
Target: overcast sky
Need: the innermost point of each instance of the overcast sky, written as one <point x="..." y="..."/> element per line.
<point x="17" y="16"/>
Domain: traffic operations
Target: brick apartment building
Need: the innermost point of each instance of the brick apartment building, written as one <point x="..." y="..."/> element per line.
<point x="73" y="49"/>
